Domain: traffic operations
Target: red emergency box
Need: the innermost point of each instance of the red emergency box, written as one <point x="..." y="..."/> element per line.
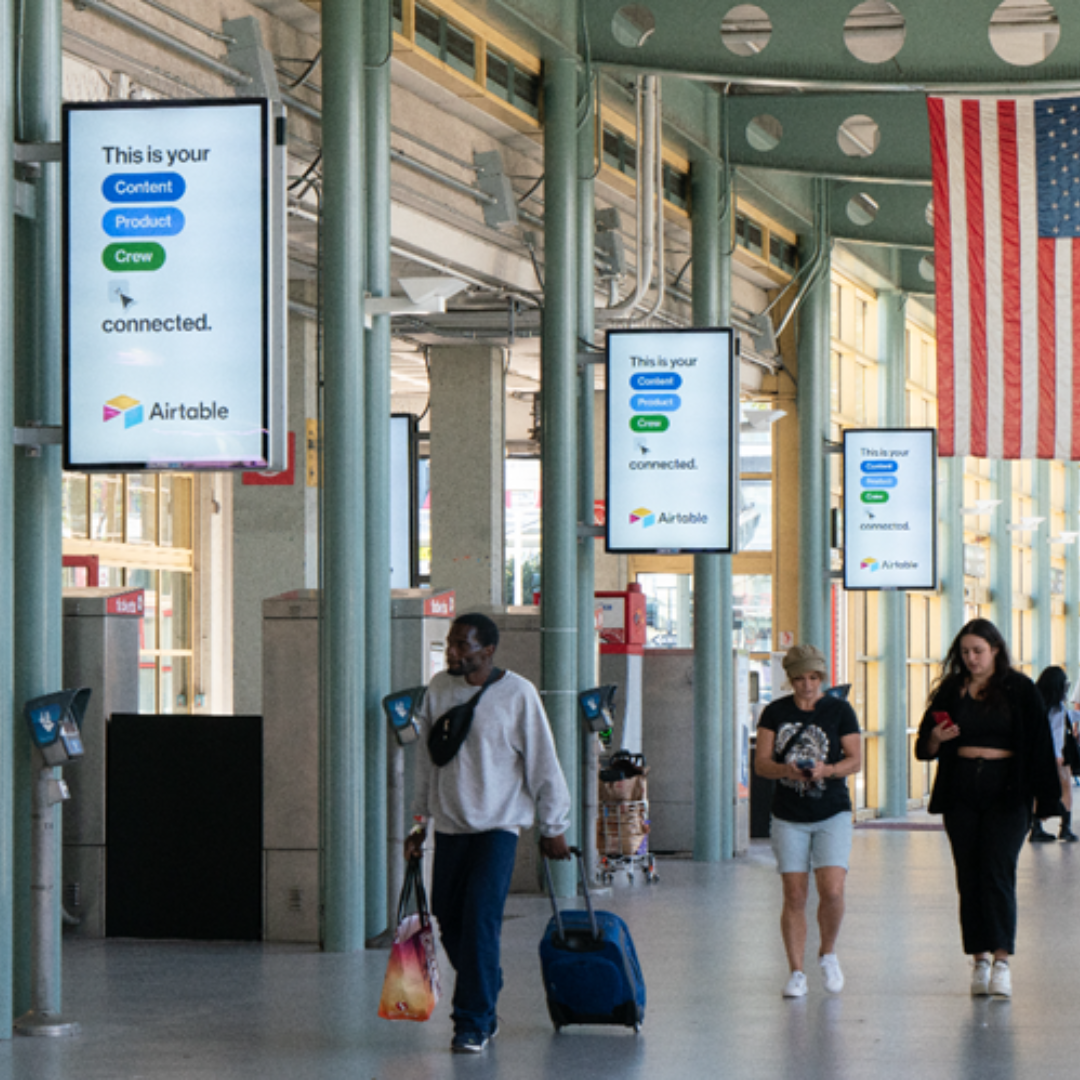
<point x="624" y="621"/>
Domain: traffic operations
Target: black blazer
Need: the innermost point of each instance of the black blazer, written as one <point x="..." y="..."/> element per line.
<point x="1036" y="775"/>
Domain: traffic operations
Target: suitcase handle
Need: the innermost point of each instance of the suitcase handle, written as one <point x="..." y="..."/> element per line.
<point x="576" y="852"/>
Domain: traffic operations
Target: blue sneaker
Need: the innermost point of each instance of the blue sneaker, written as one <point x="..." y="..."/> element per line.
<point x="469" y="1042"/>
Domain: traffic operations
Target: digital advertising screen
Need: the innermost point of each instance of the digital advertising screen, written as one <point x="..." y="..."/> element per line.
<point x="167" y="278"/>
<point x="672" y="440"/>
<point x="890" y="508"/>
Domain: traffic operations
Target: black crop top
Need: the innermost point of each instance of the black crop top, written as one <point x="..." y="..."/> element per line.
<point x="984" y="723"/>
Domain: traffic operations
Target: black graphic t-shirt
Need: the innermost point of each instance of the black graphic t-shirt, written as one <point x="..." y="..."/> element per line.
<point x="810" y="736"/>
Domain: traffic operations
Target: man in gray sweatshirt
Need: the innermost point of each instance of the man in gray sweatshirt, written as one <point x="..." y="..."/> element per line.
<point x="505" y="776"/>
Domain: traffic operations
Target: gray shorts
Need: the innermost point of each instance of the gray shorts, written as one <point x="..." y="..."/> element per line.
<point x="802" y="846"/>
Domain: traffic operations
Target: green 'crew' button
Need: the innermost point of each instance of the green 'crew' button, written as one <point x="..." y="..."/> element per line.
<point x="134" y="255"/>
<point x="649" y="423"/>
<point x="874" y="496"/>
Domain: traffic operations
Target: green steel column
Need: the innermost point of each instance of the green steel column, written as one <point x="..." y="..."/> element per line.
<point x="1043" y="654"/>
<point x="894" y="650"/>
<point x="587" y="674"/>
<point x="377" y="466"/>
<point x="9" y="711"/>
<point x="711" y="616"/>
<point x="558" y="573"/>
<point x="951" y="551"/>
<point x="812" y="405"/>
<point x="1072" y="575"/>
<point x="37" y="495"/>
<point x="1001" y="567"/>
<point x="344" y="601"/>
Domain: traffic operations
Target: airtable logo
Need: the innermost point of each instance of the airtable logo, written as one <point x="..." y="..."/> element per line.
<point x="645" y="516"/>
<point x="869" y="564"/>
<point x="127" y="407"/>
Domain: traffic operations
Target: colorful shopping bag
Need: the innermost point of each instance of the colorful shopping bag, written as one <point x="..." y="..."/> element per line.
<point x="411" y="986"/>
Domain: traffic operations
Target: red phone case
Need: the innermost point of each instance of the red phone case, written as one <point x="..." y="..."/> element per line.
<point x="942" y="718"/>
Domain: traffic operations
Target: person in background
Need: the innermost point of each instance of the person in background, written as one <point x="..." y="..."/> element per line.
<point x="809" y="743"/>
<point x="986" y="727"/>
<point x="1053" y="686"/>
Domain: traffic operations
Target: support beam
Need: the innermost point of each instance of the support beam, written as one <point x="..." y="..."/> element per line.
<point x="893" y="708"/>
<point x="1043" y="654"/>
<point x="1072" y="574"/>
<point x="558" y="568"/>
<point x="1001" y="567"/>
<point x="344" y="602"/>
<point x="377" y="900"/>
<point x="951" y="498"/>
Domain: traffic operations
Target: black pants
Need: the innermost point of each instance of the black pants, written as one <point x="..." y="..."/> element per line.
<point x="987" y="823"/>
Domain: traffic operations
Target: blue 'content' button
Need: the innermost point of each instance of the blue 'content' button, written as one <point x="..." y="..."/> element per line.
<point x="879" y="466"/>
<point x="878" y="481"/>
<point x="143" y="222"/>
<point x="655" y="402"/>
<point x="143" y="187"/>
<point x="653" y="381"/>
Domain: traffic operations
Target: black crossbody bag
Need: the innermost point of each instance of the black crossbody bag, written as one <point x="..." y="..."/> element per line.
<point x="449" y="731"/>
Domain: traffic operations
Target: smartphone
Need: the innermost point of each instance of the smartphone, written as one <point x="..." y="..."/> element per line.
<point x="806" y="767"/>
<point x="942" y="719"/>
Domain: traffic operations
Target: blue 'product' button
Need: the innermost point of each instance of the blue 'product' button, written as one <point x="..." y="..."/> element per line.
<point x="143" y="221"/>
<point x="878" y="481"/>
<point x="879" y="466"/>
<point x="655" y="402"/>
<point x="644" y="380"/>
<point x="143" y="187"/>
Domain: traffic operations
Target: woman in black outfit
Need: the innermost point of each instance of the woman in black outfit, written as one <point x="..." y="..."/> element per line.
<point x="986" y="724"/>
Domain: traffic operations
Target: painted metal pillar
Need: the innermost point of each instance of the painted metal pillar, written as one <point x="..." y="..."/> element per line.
<point x="1043" y="653"/>
<point x="37" y="495"/>
<point x="714" y="778"/>
<point x="379" y="32"/>
<point x="812" y="404"/>
<point x="559" y="427"/>
<point x="587" y="673"/>
<point x="951" y="551"/>
<point x="893" y="609"/>
<point x="1072" y="576"/>
<point x="10" y="711"/>
<point x="1001" y="567"/>
<point x="344" y="601"/>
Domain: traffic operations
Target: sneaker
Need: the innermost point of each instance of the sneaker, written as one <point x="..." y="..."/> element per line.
<point x="1039" y="835"/>
<point x="1068" y="835"/>
<point x="1001" y="979"/>
<point x="980" y="978"/>
<point x="468" y="1042"/>
<point x="830" y="968"/>
<point x="796" y="985"/>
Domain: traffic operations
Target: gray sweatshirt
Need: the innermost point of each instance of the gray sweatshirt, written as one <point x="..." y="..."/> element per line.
<point x="506" y="774"/>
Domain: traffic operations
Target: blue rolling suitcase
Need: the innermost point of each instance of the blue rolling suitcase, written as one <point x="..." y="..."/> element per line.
<point x="590" y="968"/>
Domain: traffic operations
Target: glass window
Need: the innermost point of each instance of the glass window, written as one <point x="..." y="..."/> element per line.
<point x="835" y="322"/>
<point x="107" y="508"/>
<point x="755" y="449"/>
<point x="423" y="523"/>
<point x="75" y="514"/>
<point x="460" y="50"/>
<point x="835" y="368"/>
<point x="755" y="515"/>
<point x="668" y="610"/>
<point x="752" y="595"/>
<point x="175" y="610"/>
<point x="522" y="565"/>
<point x="142" y="508"/>
<point x="176" y="511"/>
<point x="861" y="312"/>
<point x="147" y="580"/>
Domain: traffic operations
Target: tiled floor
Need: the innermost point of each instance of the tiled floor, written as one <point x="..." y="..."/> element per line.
<point x="710" y="949"/>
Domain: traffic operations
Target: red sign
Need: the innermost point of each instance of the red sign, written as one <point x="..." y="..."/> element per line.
<point x="277" y="479"/>
<point x="442" y="605"/>
<point x="129" y="603"/>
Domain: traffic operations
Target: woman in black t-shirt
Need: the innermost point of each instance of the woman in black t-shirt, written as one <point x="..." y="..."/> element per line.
<point x="986" y="726"/>
<point x="809" y="744"/>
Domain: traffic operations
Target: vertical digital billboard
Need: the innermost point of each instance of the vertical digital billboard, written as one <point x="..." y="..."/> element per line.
<point x="672" y="440"/>
<point x="890" y="508"/>
<point x="174" y="282"/>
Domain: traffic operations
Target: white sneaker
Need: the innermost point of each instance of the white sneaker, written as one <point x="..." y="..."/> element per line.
<point x="980" y="978"/>
<point x="796" y="985"/>
<point x="830" y="968"/>
<point x="1001" y="979"/>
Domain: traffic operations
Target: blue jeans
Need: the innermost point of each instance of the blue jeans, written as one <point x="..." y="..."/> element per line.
<point x="468" y="893"/>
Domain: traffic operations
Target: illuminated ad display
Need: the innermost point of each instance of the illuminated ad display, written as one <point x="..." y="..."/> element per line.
<point x="890" y="508"/>
<point x="672" y="429"/>
<point x="168" y="336"/>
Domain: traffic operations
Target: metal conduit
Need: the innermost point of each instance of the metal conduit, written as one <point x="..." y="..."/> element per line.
<point x="131" y="22"/>
<point x="217" y="35"/>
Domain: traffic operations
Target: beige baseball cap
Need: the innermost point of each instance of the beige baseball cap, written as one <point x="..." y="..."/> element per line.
<point x="802" y="659"/>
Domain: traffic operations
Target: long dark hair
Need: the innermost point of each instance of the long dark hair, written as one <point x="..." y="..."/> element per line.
<point x="1052" y="685"/>
<point x="953" y="668"/>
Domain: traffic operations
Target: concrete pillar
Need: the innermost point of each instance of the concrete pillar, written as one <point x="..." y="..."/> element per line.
<point x="893" y="708"/>
<point x="1072" y="576"/>
<point x="813" y="407"/>
<point x="1043" y="654"/>
<point x="1001" y="567"/>
<point x="468" y="504"/>
<point x="951" y="549"/>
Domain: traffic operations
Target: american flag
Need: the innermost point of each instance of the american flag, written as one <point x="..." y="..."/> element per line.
<point x="1007" y="262"/>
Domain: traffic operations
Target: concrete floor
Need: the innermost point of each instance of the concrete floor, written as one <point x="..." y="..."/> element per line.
<point x="710" y="949"/>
